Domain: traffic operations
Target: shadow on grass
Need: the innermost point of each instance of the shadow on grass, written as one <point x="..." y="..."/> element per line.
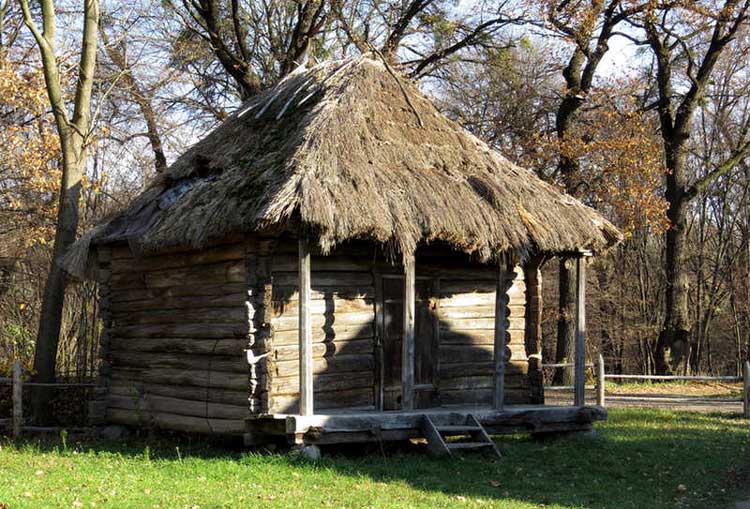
<point x="639" y="459"/>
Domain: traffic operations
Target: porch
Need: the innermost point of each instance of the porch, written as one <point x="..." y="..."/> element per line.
<point x="373" y="426"/>
<point x="408" y="415"/>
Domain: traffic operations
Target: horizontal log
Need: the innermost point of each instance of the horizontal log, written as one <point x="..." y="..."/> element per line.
<point x="528" y="419"/>
<point x="353" y="398"/>
<point x="289" y="293"/>
<point x="122" y="249"/>
<point x="326" y="278"/>
<point x="227" y="252"/>
<point x="232" y="300"/>
<point x="476" y="312"/>
<point x="338" y="364"/>
<point x="336" y="332"/>
<point x="235" y="346"/>
<point x="468" y="300"/>
<point x="453" y="354"/>
<point x="462" y="353"/>
<point x="218" y="273"/>
<point x="288" y="262"/>
<point x="324" y="382"/>
<point x="133" y="388"/>
<point x="227" y="315"/>
<point x="331" y="305"/>
<point x="514" y="381"/>
<point x="478" y="337"/>
<point x="326" y="349"/>
<point x="155" y="360"/>
<point x="480" y="323"/>
<point x="449" y="270"/>
<point x="449" y="288"/>
<point x="482" y="396"/>
<point x="167" y="421"/>
<point x="196" y="378"/>
<point x="457" y="370"/>
<point x="185" y="289"/>
<point x="148" y="403"/>
<point x="291" y="322"/>
<point x="185" y="330"/>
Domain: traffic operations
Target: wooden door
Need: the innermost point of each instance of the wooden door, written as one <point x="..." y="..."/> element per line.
<point x="425" y="342"/>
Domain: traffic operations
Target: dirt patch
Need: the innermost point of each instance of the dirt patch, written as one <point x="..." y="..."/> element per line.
<point x="705" y="389"/>
<point x="632" y="396"/>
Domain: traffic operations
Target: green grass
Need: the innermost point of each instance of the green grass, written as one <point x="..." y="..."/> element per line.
<point x="640" y="459"/>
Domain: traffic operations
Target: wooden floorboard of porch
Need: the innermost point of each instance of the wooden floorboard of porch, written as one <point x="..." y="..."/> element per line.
<point x="370" y="426"/>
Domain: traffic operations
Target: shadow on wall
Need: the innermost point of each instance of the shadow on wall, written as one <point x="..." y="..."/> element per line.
<point x="357" y="352"/>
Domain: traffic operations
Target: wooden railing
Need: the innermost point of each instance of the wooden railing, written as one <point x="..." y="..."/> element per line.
<point x="601" y="377"/>
<point x="17" y="383"/>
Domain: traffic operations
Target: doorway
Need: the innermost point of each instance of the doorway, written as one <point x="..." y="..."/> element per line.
<point x="391" y="330"/>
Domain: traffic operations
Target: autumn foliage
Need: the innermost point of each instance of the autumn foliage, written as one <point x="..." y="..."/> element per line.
<point x="28" y="171"/>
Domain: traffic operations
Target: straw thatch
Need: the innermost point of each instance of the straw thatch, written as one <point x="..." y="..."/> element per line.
<point x="349" y="150"/>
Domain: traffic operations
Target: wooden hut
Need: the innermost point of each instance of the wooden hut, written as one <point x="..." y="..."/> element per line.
<point x="337" y="261"/>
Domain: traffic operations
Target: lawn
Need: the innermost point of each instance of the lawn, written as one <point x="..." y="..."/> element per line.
<point x="640" y="459"/>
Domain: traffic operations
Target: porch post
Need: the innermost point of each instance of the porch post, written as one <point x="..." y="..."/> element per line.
<point x="407" y="343"/>
<point x="305" y="331"/>
<point x="500" y="332"/>
<point x="580" y="350"/>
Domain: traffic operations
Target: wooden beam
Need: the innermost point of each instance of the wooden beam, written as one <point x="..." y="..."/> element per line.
<point x="407" y="344"/>
<point x="499" y="343"/>
<point x="305" y="331"/>
<point x="580" y="350"/>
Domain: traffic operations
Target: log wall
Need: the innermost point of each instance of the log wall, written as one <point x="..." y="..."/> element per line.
<point x="177" y="328"/>
<point x="176" y="332"/>
<point x="343" y="314"/>
<point x="466" y="312"/>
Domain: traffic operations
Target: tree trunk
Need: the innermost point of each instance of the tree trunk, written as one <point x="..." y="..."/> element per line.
<point x="566" y="326"/>
<point x="72" y="132"/>
<point x="50" y="318"/>
<point x="675" y="333"/>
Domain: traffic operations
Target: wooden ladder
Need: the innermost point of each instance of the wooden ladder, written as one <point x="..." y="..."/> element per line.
<point x="436" y="436"/>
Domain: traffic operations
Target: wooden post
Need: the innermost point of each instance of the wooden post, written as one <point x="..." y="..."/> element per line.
<point x="580" y="350"/>
<point x="600" y="380"/>
<point x="746" y="390"/>
<point x="407" y="344"/>
<point x="17" y="399"/>
<point x="499" y="343"/>
<point x="305" y="331"/>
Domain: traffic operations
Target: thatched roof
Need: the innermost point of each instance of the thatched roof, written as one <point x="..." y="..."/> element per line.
<point x="350" y="150"/>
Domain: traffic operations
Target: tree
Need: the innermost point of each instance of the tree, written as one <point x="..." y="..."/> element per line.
<point x="131" y="48"/>
<point x="73" y="132"/>
<point x="255" y="42"/>
<point x="422" y="36"/>
<point x="687" y="40"/>
<point x="588" y="25"/>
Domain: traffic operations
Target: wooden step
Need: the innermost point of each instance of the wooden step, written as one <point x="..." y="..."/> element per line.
<point x="467" y="445"/>
<point x="470" y="426"/>
<point x="457" y="430"/>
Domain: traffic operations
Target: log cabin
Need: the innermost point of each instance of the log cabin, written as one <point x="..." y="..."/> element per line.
<point x="336" y="262"/>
